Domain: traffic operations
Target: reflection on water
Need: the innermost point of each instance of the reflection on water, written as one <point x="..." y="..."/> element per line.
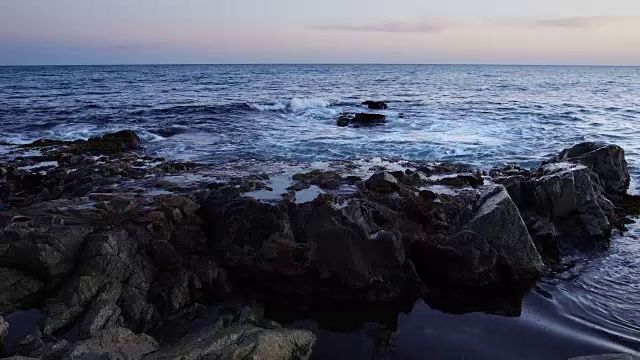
<point x="593" y="308"/>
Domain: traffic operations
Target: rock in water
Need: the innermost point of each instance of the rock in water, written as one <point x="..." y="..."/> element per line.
<point x="369" y="119"/>
<point x="607" y="161"/>
<point x="375" y="105"/>
<point x="361" y="119"/>
<point x="127" y="139"/>
<point x="493" y="248"/>
<point x="565" y="189"/>
<point x="344" y="120"/>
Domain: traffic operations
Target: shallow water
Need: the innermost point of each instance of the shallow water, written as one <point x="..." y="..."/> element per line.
<point x="477" y="114"/>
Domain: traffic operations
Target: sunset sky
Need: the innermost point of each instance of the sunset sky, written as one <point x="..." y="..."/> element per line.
<point x="328" y="31"/>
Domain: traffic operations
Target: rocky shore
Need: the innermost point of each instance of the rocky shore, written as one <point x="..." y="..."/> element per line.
<point x="108" y="253"/>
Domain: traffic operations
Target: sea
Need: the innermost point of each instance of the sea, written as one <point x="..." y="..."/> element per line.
<point x="481" y="115"/>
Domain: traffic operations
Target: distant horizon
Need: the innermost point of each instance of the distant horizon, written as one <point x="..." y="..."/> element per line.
<point x="321" y="64"/>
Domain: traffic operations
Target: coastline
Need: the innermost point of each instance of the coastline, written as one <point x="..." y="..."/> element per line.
<point x="106" y="242"/>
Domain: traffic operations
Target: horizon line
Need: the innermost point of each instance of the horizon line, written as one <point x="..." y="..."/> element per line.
<point x="321" y="63"/>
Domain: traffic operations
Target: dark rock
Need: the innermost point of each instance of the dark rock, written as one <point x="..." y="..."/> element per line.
<point x="323" y="179"/>
<point x="375" y="105"/>
<point x="382" y="182"/>
<point x="344" y="120"/>
<point x="102" y="311"/>
<point x="365" y="119"/>
<point x="242" y="334"/>
<point x="461" y="180"/>
<point x="127" y="139"/>
<point x="607" y="161"/>
<point x="566" y="189"/>
<point x="4" y="331"/>
<point x="17" y="289"/>
<point x="114" y="343"/>
<point x="494" y="247"/>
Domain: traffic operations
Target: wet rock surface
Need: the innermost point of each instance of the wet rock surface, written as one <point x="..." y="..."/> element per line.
<point x="128" y="256"/>
<point x="361" y="119"/>
<point x="375" y="105"/>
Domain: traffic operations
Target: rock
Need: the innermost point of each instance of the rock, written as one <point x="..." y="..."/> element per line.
<point x="114" y="343"/>
<point x="366" y="119"/>
<point x="375" y="105"/>
<point x="493" y="248"/>
<point x="323" y="179"/>
<point x="42" y="248"/>
<point x="17" y="288"/>
<point x="240" y="342"/>
<point x="608" y="357"/>
<point x="20" y="358"/>
<point x="291" y="248"/>
<point x="461" y="180"/>
<point x="127" y="139"/>
<point x="4" y="331"/>
<point x="607" y="161"/>
<point x="102" y="311"/>
<point x="565" y="189"/>
<point x="344" y="120"/>
<point x="382" y="182"/>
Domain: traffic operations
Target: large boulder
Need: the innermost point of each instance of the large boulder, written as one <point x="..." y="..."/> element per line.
<point x="315" y="249"/>
<point x="605" y="160"/>
<point x="492" y="248"/>
<point x="565" y="190"/>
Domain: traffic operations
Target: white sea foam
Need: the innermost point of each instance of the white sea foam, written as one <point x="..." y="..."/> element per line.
<point x="295" y="105"/>
<point x="301" y="104"/>
<point x="269" y="107"/>
<point x="147" y="136"/>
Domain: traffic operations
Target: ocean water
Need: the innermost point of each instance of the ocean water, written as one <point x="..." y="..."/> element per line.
<point x="482" y="115"/>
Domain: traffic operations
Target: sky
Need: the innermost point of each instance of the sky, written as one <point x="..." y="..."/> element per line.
<point x="590" y="32"/>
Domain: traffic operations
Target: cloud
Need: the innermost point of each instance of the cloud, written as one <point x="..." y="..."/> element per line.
<point x="440" y="25"/>
<point x="586" y="22"/>
<point x="389" y="27"/>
